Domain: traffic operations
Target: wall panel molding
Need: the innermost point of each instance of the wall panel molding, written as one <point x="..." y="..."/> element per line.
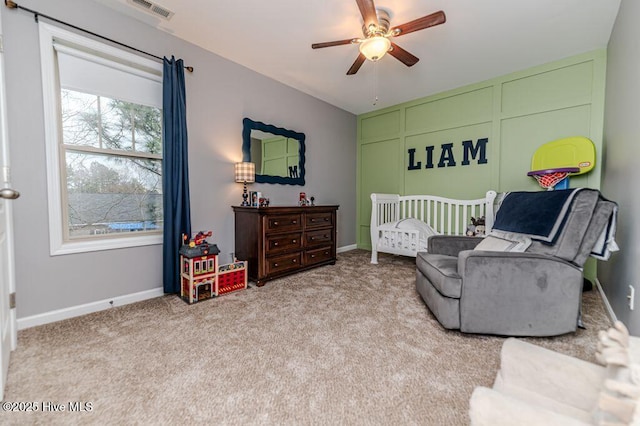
<point x="517" y="112"/>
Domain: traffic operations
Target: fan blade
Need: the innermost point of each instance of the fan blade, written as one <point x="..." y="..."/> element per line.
<point x="368" y="12"/>
<point x="432" y="20"/>
<point x="331" y="43"/>
<point x="357" y="64"/>
<point x="402" y="55"/>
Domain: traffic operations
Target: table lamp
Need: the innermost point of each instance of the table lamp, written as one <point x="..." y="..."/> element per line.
<point x="245" y="173"/>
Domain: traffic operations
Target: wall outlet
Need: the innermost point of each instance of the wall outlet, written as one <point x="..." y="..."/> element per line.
<point x="631" y="296"/>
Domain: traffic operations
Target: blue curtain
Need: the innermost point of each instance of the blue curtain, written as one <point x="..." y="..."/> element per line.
<point x="175" y="172"/>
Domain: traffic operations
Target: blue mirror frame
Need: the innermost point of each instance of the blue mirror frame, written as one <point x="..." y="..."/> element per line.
<point x="248" y="125"/>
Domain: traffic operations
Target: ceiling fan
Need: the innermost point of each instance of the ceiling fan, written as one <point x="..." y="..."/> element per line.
<point x="376" y="42"/>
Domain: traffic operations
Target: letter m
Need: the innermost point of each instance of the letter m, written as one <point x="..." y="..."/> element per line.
<point x="470" y="149"/>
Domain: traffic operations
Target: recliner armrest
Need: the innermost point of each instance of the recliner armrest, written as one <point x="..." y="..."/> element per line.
<point x="451" y="245"/>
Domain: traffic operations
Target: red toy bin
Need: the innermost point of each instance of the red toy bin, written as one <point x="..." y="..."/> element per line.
<point x="232" y="277"/>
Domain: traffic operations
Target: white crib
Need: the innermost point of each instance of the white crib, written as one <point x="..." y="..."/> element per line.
<point x="445" y="216"/>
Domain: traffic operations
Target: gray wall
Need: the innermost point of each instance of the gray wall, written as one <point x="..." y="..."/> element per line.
<point x="219" y="94"/>
<point x="621" y="165"/>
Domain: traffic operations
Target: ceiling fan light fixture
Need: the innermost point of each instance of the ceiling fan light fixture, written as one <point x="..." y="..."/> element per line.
<point x="376" y="31"/>
<point x="374" y="48"/>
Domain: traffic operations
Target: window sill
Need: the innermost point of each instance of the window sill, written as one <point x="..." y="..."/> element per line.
<point x="74" y="247"/>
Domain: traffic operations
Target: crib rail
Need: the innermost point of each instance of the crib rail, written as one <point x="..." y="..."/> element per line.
<point x="446" y="216"/>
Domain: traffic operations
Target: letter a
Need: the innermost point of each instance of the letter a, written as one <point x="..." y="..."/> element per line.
<point x="446" y="156"/>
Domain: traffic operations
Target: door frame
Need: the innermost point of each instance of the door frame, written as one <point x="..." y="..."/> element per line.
<point x="5" y="176"/>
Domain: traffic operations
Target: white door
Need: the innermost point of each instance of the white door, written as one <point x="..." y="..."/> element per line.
<point x="8" y="337"/>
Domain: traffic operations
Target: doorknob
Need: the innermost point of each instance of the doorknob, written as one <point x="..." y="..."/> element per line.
<point x="9" y="194"/>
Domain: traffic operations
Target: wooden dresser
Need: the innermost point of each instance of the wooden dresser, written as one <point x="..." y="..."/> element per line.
<point x="278" y="241"/>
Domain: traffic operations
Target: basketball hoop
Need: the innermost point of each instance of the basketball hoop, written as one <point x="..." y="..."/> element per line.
<point x="549" y="178"/>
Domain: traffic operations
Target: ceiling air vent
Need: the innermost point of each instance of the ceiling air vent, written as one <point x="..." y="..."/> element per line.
<point x="152" y="8"/>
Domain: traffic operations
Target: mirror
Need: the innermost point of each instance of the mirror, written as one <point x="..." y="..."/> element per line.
<point x="277" y="153"/>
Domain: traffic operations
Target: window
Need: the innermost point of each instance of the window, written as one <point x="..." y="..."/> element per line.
<point x="110" y="191"/>
<point x="103" y="121"/>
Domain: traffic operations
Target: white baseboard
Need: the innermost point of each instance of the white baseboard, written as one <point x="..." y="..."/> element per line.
<point x="607" y="305"/>
<point x="346" y="248"/>
<point x="75" y="311"/>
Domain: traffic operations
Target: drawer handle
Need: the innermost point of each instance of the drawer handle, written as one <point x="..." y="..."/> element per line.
<point x="294" y="221"/>
<point x="312" y="238"/>
<point x="275" y="223"/>
<point x="326" y="236"/>
<point x="313" y="220"/>
<point x="275" y="244"/>
<point x="313" y="255"/>
<point x="293" y="241"/>
<point x="326" y="219"/>
<point x="294" y="260"/>
<point x="275" y="265"/>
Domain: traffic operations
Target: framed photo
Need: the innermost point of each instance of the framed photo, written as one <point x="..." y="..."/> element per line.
<point x="254" y="198"/>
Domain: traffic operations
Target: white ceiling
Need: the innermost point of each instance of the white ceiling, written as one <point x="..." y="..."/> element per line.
<point x="481" y="39"/>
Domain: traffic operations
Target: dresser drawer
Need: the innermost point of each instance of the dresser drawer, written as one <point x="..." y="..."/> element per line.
<point x="317" y="255"/>
<point x="322" y="236"/>
<point x="290" y="222"/>
<point x="283" y="242"/>
<point x="283" y="263"/>
<point x="313" y="220"/>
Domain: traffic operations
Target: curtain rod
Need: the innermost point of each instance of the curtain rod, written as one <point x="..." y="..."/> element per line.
<point x="13" y="5"/>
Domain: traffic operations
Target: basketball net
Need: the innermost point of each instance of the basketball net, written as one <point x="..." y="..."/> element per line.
<point x="549" y="180"/>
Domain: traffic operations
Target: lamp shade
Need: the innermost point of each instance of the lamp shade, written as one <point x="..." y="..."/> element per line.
<point x="245" y="172"/>
<point x="375" y="48"/>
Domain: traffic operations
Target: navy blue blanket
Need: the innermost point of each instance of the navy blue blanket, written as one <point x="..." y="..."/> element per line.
<point x="539" y="215"/>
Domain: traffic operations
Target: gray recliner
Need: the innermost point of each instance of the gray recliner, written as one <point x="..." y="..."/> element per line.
<point x="535" y="292"/>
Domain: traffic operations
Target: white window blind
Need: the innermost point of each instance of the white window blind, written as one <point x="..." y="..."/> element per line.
<point x="89" y="73"/>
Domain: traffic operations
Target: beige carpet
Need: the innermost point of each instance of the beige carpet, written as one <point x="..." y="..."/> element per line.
<point x="346" y="344"/>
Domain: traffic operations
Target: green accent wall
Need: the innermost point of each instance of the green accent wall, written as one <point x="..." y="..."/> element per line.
<point x="517" y="113"/>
